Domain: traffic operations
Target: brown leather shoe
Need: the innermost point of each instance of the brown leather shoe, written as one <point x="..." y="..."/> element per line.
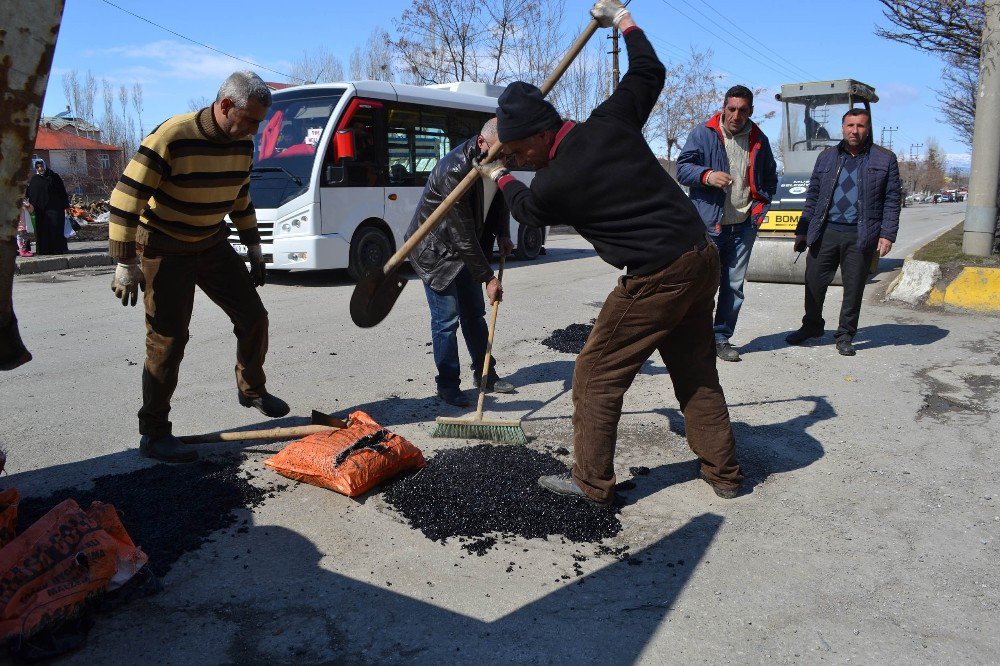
<point x="722" y="491"/>
<point x="563" y="484"/>
<point x="267" y="404"/>
<point x="166" y="448"/>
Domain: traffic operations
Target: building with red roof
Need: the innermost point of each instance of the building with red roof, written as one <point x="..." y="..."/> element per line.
<point x="85" y="165"/>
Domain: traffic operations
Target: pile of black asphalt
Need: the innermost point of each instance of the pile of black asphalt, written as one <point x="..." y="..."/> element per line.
<point x="569" y="340"/>
<point x="482" y="493"/>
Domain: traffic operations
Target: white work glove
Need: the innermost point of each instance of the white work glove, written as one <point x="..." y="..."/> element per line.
<point x="494" y="170"/>
<point x="258" y="269"/>
<point x="127" y="282"/>
<point x="608" y="13"/>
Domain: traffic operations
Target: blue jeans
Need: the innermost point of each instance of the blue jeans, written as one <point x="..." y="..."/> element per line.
<point x="461" y="303"/>
<point x="735" y="243"/>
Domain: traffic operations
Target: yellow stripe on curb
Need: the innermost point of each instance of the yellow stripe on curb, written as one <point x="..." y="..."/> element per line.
<point x="974" y="289"/>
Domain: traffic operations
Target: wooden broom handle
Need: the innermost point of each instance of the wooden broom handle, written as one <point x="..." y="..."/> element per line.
<point x="483" y="378"/>
<point x="434" y="218"/>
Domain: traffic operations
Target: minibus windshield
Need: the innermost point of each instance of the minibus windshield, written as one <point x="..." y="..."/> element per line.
<point x="286" y="145"/>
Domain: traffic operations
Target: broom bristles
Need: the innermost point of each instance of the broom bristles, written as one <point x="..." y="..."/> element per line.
<point x="510" y="433"/>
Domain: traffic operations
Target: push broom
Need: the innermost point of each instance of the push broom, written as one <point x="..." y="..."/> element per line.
<point x="475" y="426"/>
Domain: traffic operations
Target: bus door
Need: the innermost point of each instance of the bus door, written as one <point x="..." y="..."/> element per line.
<point x="416" y="139"/>
<point x="353" y="175"/>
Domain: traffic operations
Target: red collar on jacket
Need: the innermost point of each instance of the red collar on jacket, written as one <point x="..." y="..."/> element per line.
<point x="563" y="131"/>
<point x="753" y="142"/>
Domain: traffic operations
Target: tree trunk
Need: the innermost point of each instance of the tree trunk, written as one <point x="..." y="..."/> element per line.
<point x="28" y="39"/>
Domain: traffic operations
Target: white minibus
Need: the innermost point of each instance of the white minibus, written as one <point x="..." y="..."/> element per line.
<point x="339" y="169"/>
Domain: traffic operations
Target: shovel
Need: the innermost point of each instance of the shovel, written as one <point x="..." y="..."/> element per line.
<point x="377" y="291"/>
<point x="319" y="422"/>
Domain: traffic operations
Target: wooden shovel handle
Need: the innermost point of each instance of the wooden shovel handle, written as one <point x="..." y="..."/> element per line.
<point x="293" y="432"/>
<point x="470" y="178"/>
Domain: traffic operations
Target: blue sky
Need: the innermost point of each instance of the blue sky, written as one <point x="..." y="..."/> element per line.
<point x="784" y="41"/>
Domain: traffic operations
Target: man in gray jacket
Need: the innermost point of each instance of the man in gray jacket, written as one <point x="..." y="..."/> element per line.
<point x="451" y="263"/>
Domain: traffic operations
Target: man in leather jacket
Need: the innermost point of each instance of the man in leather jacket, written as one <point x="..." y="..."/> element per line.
<point x="452" y="265"/>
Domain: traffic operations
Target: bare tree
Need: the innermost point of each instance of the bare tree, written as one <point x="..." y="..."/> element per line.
<point x="129" y="142"/>
<point x="461" y="40"/>
<point x="373" y="62"/>
<point x="585" y="84"/>
<point x="198" y="103"/>
<point x="951" y="29"/>
<point x="933" y="168"/>
<point x="538" y="47"/>
<point x="71" y="90"/>
<point x="137" y="106"/>
<point x="691" y="94"/>
<point x="317" y="66"/>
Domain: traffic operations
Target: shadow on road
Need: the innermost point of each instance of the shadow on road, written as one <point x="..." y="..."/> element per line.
<point x="868" y="337"/>
<point x="763" y="450"/>
<point x="262" y="594"/>
<point x="336" y="618"/>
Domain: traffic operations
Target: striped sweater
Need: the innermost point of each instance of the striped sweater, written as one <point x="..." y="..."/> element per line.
<point x="184" y="179"/>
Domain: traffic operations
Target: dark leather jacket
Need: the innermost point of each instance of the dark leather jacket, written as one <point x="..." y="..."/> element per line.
<point x="455" y="241"/>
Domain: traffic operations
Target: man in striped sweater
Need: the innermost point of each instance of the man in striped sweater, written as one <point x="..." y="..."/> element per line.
<point x="168" y="233"/>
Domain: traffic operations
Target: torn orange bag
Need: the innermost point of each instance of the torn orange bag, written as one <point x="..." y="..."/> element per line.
<point x="48" y="573"/>
<point x="8" y="515"/>
<point x="350" y="461"/>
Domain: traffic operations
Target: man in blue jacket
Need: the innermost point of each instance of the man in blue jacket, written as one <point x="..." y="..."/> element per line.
<point x="729" y="166"/>
<point x="851" y="212"/>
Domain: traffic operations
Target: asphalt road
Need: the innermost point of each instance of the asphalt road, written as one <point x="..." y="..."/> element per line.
<point x="868" y="532"/>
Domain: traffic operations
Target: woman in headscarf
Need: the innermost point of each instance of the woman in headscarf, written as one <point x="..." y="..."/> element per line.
<point x="48" y="196"/>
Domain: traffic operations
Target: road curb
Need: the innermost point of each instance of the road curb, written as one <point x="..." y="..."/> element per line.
<point x="61" y="262"/>
<point x="975" y="288"/>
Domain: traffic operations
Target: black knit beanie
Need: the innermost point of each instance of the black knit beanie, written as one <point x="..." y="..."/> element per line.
<point x="522" y="112"/>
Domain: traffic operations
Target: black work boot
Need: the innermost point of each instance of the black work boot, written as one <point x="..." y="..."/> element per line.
<point x="801" y="335"/>
<point x="166" y="448"/>
<point x="267" y="404"/>
<point x="453" y="396"/>
<point x="844" y="347"/>
<point x="727" y="352"/>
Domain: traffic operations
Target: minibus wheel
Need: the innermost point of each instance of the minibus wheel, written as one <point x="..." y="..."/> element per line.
<point x="529" y="242"/>
<point x="371" y="247"/>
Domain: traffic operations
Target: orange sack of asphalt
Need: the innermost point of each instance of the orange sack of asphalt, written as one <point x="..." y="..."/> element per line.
<point x="8" y="515"/>
<point x="69" y="555"/>
<point x="350" y="461"/>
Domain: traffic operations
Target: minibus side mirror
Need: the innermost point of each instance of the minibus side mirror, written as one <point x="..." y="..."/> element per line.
<point x="344" y="140"/>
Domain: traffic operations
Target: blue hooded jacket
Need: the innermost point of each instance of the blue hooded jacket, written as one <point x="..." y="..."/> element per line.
<point x="704" y="151"/>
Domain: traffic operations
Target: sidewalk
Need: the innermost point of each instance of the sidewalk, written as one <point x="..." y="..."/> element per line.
<point x="82" y="254"/>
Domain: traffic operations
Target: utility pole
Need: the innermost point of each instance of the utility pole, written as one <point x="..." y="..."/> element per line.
<point x="27" y="42"/>
<point x="912" y="146"/>
<point x="615" y="72"/>
<point x="890" y="130"/>
<point x="981" y="209"/>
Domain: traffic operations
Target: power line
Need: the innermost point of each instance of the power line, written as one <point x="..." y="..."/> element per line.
<point x="210" y="48"/>
<point x="730" y="22"/>
<point x="735" y="46"/>
<point x="679" y="54"/>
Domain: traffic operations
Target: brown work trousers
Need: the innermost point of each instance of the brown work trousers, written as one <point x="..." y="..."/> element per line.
<point x="671" y="311"/>
<point x="169" y="299"/>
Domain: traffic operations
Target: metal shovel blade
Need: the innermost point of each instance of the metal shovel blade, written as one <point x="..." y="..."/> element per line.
<point x="374" y="296"/>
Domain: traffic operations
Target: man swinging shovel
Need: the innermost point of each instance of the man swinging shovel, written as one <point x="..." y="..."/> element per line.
<point x="376" y="293"/>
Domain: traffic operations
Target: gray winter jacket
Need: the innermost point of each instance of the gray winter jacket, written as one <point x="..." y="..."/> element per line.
<point x="455" y="241"/>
